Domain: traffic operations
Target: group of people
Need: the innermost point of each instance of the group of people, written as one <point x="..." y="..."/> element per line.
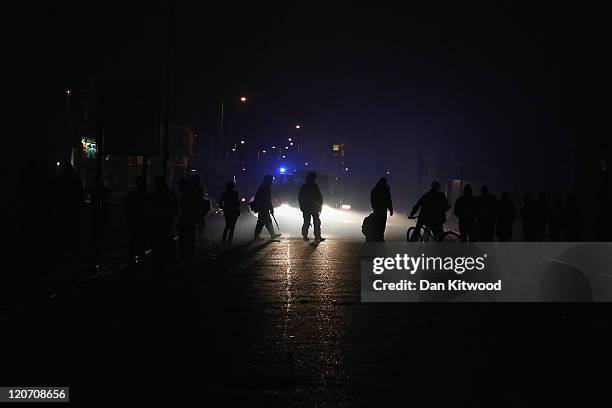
<point x="483" y="217"/>
<point x="153" y="217"/>
<point x="309" y="198"/>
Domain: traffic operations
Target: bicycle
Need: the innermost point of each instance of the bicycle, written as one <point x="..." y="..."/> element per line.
<point x="426" y="235"/>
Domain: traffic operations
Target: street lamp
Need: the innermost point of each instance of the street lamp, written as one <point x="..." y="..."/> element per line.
<point x="242" y="142"/>
<point x="243" y="99"/>
<point x="297" y="126"/>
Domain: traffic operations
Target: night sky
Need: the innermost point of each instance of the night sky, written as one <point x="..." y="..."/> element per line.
<point x="501" y="87"/>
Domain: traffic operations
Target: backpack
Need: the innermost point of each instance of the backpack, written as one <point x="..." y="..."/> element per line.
<point x="368" y="227"/>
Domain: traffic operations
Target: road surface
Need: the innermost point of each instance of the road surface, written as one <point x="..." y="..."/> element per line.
<point x="280" y="323"/>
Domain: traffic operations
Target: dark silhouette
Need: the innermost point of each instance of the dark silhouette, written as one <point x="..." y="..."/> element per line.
<point x="380" y="198"/>
<point x="541" y="217"/>
<point x="164" y="209"/>
<point x="68" y="201"/>
<point x="528" y="218"/>
<point x="311" y="203"/>
<point x="186" y="223"/>
<point x="138" y="213"/>
<point x="230" y="204"/>
<point x="202" y="205"/>
<point x="574" y="221"/>
<point x="506" y="215"/>
<point x="432" y="208"/>
<point x="99" y="195"/>
<point x="466" y="210"/>
<point x="487" y="215"/>
<point x="262" y="205"/>
<point x="555" y="219"/>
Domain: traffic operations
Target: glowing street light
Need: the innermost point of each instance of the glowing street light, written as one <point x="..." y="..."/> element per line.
<point x="297" y="126"/>
<point x="242" y="142"/>
<point x="286" y="147"/>
<point x="291" y="144"/>
<point x="274" y="147"/>
<point x="289" y="140"/>
<point x="263" y="151"/>
<point x="243" y="99"/>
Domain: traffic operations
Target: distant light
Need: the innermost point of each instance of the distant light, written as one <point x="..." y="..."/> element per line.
<point x="346" y="169"/>
<point x="243" y="199"/>
<point x="282" y="169"/>
<point x="263" y="151"/>
<point x="306" y="164"/>
<point x="243" y="169"/>
<point x="233" y="149"/>
<point x="193" y="170"/>
<point x="291" y="144"/>
<point x="286" y="147"/>
<point x="290" y="139"/>
<point x="243" y="99"/>
<point x="242" y="142"/>
<point x="297" y="126"/>
<point x="274" y="147"/>
<point x="58" y="164"/>
<point x="345" y="207"/>
<point x="284" y="156"/>
<point x="388" y="172"/>
<point x="68" y="91"/>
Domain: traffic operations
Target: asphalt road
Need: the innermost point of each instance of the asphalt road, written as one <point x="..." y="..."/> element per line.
<point x="280" y="323"/>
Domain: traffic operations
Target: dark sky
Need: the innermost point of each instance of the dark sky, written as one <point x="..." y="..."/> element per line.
<point x="497" y="85"/>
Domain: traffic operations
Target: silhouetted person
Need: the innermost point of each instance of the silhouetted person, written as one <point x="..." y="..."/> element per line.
<point x="69" y="200"/>
<point x="466" y="210"/>
<point x="311" y="203"/>
<point x="230" y="204"/>
<point x="203" y="206"/>
<point x="262" y="204"/>
<point x="574" y="221"/>
<point x="555" y="219"/>
<point x="529" y="218"/>
<point x="138" y="213"/>
<point x="186" y="223"/>
<point x="487" y="215"/>
<point x="164" y="208"/>
<point x="380" y="198"/>
<point x="99" y="195"/>
<point x="432" y="208"/>
<point x="506" y="215"/>
<point x="541" y="217"/>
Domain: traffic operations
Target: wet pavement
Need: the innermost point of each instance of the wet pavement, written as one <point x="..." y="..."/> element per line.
<point x="280" y="323"/>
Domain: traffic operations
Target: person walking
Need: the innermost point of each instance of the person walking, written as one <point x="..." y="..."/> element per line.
<point x="380" y="199"/>
<point x="230" y="204"/>
<point x="466" y="209"/>
<point x="262" y="205"/>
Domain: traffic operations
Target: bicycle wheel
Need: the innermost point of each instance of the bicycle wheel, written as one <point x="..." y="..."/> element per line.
<point x="409" y="235"/>
<point x="450" y="236"/>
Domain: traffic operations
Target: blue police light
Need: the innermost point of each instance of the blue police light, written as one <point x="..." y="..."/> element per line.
<point x="282" y="170"/>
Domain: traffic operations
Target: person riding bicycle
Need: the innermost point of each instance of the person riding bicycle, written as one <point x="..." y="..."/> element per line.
<point x="432" y="208"/>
